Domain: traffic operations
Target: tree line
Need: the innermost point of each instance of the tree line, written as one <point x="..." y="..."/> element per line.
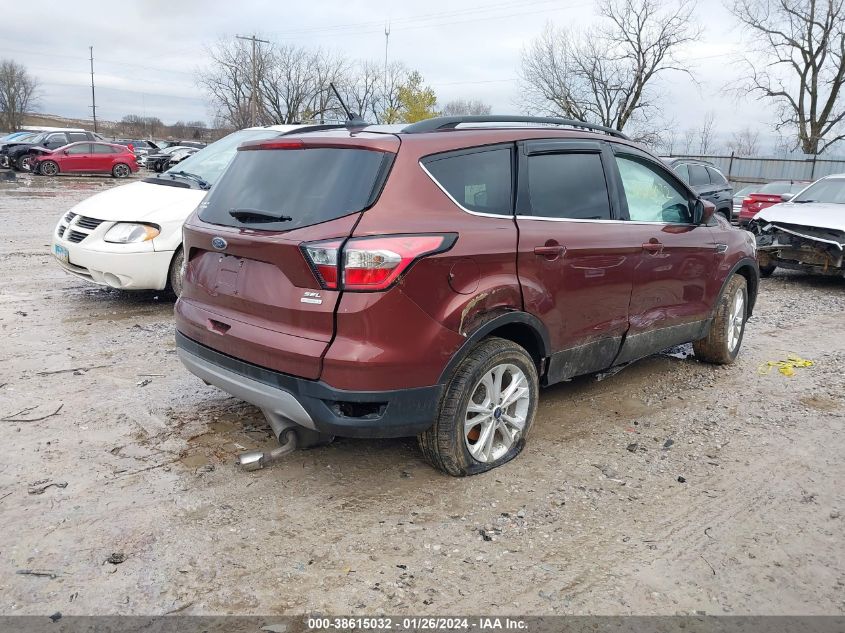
<point x="284" y="83"/>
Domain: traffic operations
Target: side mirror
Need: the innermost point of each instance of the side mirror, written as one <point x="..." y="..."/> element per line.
<point x="786" y="197"/>
<point x="702" y="211"/>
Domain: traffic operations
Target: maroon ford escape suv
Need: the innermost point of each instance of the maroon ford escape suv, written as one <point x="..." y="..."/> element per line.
<point x="427" y="280"/>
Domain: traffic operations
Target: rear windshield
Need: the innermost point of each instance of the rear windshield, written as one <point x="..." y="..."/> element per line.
<point x="280" y="190"/>
<point x="779" y="187"/>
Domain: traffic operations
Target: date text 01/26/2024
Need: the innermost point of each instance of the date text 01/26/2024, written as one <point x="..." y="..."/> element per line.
<point x="431" y="623"/>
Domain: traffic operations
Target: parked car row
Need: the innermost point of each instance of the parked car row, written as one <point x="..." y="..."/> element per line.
<point x="60" y="151"/>
<point x="520" y="257"/>
<point x="19" y="152"/>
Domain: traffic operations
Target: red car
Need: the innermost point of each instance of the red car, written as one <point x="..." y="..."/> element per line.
<point x="767" y="195"/>
<point x="380" y="281"/>
<point x="86" y="158"/>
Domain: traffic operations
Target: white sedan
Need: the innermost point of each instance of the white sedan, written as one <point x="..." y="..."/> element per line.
<point x="130" y="237"/>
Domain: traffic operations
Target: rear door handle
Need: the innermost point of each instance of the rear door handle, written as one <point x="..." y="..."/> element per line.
<point x="550" y="251"/>
<point x="653" y="247"/>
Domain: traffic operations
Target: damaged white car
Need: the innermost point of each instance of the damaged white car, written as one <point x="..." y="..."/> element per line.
<point x="806" y="232"/>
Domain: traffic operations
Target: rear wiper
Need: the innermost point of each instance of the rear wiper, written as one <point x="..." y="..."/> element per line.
<point x="258" y="215"/>
<point x="198" y="179"/>
<point x="803" y="201"/>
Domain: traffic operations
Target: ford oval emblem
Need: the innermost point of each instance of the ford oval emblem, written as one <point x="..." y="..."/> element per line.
<point x="219" y="243"/>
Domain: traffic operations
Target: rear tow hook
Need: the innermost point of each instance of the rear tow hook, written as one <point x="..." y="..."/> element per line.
<point x="256" y="460"/>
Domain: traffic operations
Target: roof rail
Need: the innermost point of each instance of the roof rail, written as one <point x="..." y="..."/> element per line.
<point x="451" y="122"/>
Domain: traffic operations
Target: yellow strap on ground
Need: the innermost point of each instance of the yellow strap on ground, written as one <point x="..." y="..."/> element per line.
<point x="785" y="367"/>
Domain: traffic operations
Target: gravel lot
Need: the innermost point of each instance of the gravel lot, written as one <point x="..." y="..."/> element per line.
<point x="669" y="487"/>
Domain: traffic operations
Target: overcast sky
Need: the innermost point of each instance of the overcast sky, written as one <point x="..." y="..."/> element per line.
<point x="146" y="52"/>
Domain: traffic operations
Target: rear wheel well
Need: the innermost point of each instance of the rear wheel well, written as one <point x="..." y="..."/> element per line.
<point x="525" y="336"/>
<point x="752" y="281"/>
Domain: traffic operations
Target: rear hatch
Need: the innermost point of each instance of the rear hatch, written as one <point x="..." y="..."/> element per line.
<point x="253" y="289"/>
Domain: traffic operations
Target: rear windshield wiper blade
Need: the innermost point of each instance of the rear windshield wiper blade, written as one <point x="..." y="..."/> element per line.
<point x="803" y="201"/>
<point x="258" y="215"/>
<point x="198" y="179"/>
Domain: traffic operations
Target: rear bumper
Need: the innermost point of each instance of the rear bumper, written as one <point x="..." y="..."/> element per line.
<point x="314" y="404"/>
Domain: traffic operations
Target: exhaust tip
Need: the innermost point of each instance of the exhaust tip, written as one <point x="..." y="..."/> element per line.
<point x="251" y="461"/>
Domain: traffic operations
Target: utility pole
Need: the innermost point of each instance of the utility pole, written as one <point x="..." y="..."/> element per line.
<point x="386" y="39"/>
<point x="93" y="99"/>
<point x="253" y="94"/>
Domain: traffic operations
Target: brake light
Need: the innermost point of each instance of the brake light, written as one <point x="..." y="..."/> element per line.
<point x="371" y="263"/>
<point x="260" y="145"/>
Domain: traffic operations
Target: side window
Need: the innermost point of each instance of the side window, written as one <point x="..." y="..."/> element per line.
<point x="77" y="136"/>
<point x="716" y="177"/>
<point x="568" y="186"/>
<point x="102" y="149"/>
<point x="81" y="148"/>
<point x="55" y="140"/>
<point x="683" y="171"/>
<point x="698" y="176"/>
<point x="651" y="197"/>
<point x="479" y="181"/>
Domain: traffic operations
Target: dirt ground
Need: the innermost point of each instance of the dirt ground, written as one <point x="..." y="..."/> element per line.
<point x="669" y="487"/>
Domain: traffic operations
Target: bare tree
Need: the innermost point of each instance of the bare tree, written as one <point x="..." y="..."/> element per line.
<point x="798" y="63"/>
<point x="606" y="75"/>
<point x="17" y="94"/>
<point x="746" y="142"/>
<point x="361" y="88"/>
<point x="464" y="106"/>
<point x="228" y="80"/>
<point x="288" y="86"/>
<point x="689" y="141"/>
<point x="133" y="125"/>
<point x="706" y="142"/>
<point x="390" y="105"/>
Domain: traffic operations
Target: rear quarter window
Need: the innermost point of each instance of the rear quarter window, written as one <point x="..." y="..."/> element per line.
<point x="698" y="176"/>
<point x="716" y="177"/>
<point x="479" y="180"/>
<point x="308" y="186"/>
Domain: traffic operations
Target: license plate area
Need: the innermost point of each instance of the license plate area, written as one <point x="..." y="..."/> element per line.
<point x="61" y="254"/>
<point x="228" y="274"/>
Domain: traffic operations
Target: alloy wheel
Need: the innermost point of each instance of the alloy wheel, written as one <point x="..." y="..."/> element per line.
<point x="736" y="319"/>
<point x="496" y="412"/>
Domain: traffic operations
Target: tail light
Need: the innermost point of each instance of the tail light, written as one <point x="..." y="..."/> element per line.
<point x="371" y="263"/>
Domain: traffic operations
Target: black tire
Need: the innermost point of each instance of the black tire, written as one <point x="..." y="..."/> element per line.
<point x="724" y="340"/>
<point x="174" y="277"/>
<point x="121" y="170"/>
<point x="766" y="271"/>
<point x="445" y="444"/>
<point x="22" y="162"/>
<point x="47" y="168"/>
<point x="726" y="213"/>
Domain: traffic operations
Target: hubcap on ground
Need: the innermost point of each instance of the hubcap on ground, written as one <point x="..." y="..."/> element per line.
<point x="496" y="413"/>
<point x="736" y="320"/>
